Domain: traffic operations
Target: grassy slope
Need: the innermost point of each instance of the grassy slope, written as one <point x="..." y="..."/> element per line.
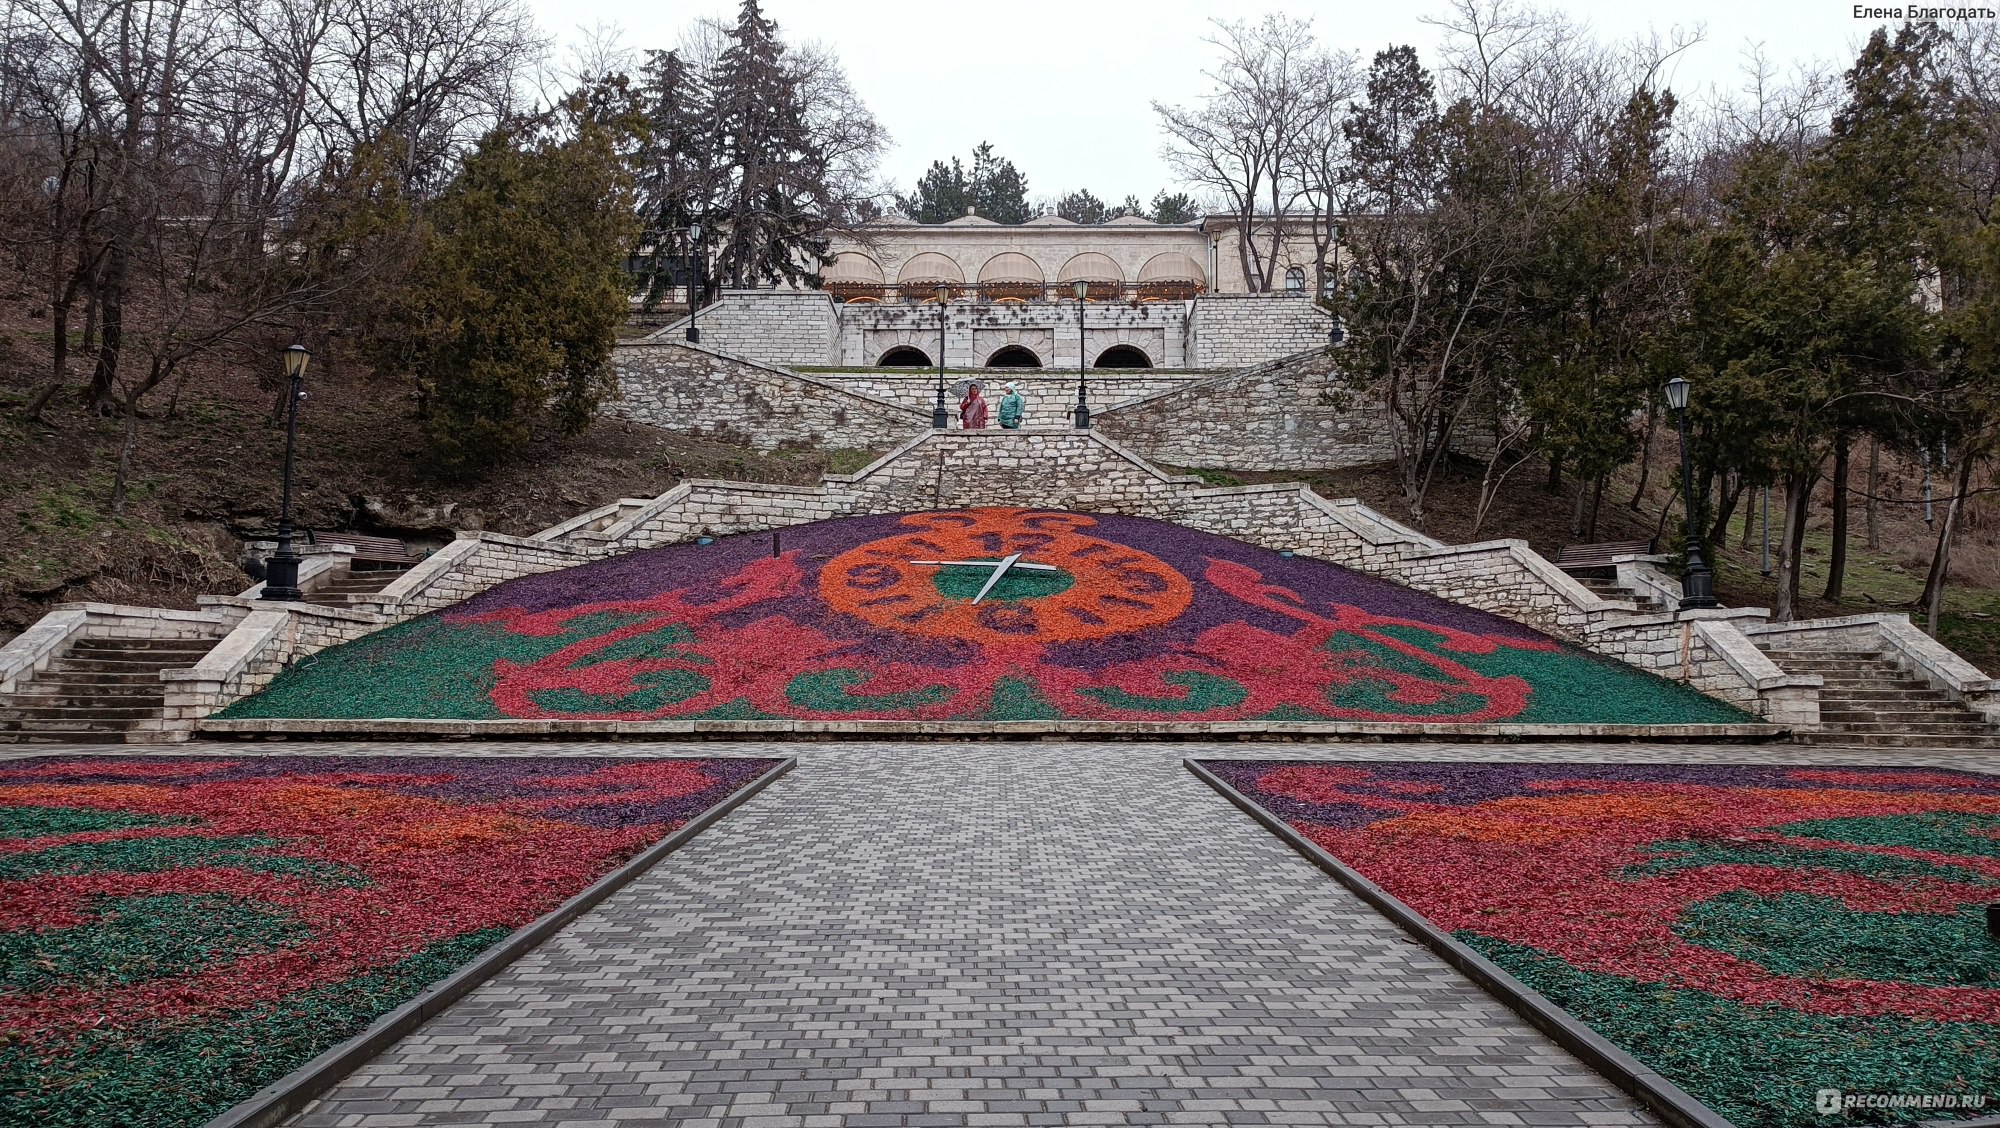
<point x="207" y="476"/>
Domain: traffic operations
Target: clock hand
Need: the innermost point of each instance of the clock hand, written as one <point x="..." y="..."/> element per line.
<point x="1021" y="564"/>
<point x="1004" y="564"/>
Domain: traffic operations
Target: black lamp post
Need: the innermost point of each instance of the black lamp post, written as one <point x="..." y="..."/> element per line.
<point x="1336" y="335"/>
<point x="694" y="284"/>
<point x="940" y="418"/>
<point x="1697" y="585"/>
<point x="281" y="571"/>
<point x="1082" y="291"/>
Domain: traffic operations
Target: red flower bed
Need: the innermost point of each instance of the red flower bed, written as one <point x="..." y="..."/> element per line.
<point x="1756" y="934"/>
<point x="1138" y="621"/>
<point x="176" y="933"/>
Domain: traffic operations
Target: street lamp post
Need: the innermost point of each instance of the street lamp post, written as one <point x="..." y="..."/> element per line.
<point x="1336" y="335"/>
<point x="694" y="284"/>
<point x="940" y="418"/>
<point x="1697" y="584"/>
<point x="281" y="571"/>
<point x="1082" y="290"/>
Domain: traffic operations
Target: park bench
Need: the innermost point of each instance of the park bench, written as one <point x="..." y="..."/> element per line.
<point x="1596" y="557"/>
<point x="385" y="551"/>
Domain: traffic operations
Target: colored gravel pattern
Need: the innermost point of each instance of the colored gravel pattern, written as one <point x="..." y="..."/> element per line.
<point x="1142" y="621"/>
<point x="176" y="934"/>
<point x="1754" y="934"/>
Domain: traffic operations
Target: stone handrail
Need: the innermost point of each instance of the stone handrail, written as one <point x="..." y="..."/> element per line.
<point x="1898" y="638"/>
<point x="267" y="639"/>
<point x="588" y="520"/>
<point x="33" y="649"/>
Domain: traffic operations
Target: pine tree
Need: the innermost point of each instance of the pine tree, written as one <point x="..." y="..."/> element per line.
<point x="1177" y="207"/>
<point x="941" y="196"/>
<point x="776" y="199"/>
<point x="1081" y="206"/>
<point x="999" y="191"/>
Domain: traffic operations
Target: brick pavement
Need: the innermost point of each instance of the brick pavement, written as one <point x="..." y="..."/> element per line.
<point x="989" y="934"/>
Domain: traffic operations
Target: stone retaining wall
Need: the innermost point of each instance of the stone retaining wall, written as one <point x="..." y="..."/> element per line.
<point x="698" y="391"/>
<point x="1294" y="414"/>
<point x="1230" y="330"/>
<point x="774" y="326"/>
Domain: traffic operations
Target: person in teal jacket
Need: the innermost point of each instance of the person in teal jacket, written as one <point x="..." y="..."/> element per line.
<point x="1012" y="407"/>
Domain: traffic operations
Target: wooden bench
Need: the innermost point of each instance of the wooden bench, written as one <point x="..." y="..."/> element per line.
<point x="369" y="550"/>
<point x="1585" y="556"/>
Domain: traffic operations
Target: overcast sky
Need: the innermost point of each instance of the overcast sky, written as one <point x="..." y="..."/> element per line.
<point x="1064" y="87"/>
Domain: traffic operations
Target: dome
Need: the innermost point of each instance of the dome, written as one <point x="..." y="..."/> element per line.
<point x="1091" y="266"/>
<point x="930" y="266"/>
<point x="1012" y="266"/>
<point x="1129" y="221"/>
<point x="1173" y="266"/>
<point x="1050" y="220"/>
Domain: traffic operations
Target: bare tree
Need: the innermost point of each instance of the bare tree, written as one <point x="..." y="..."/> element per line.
<point x="1245" y="141"/>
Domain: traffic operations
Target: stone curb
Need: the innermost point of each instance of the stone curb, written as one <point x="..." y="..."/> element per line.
<point x="291" y="1093"/>
<point x="1655" y="1093"/>
<point x="394" y="728"/>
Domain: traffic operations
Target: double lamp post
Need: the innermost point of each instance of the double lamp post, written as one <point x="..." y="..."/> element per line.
<point x="941" y="418"/>
<point x="1697" y="583"/>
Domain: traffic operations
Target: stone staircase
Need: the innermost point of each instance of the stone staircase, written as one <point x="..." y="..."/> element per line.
<point x="1608" y="588"/>
<point x="1870" y="701"/>
<point x="345" y="587"/>
<point x="98" y="692"/>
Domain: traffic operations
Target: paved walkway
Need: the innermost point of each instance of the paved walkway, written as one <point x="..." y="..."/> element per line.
<point x="990" y="935"/>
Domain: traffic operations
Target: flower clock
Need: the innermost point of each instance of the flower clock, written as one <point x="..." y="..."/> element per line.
<point x="176" y="933"/>
<point x="1757" y="935"/>
<point x="979" y="614"/>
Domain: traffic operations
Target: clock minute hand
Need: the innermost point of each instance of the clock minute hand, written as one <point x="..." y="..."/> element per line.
<point x="1005" y="563"/>
<point x="1021" y="564"/>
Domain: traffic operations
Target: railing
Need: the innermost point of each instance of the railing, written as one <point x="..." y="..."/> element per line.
<point x="1006" y="292"/>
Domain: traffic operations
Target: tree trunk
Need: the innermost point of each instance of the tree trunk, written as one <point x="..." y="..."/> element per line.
<point x="1596" y="504"/>
<point x="1555" y="481"/>
<point x="1718" y="533"/>
<point x="1874" y="488"/>
<point x="1646" y="454"/>
<point x="120" y="484"/>
<point x="1577" y="509"/>
<point x="1836" y="563"/>
<point x="1933" y="597"/>
<point x="1798" y="498"/>
<point x="104" y="377"/>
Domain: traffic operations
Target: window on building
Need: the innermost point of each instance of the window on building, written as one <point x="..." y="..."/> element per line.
<point x="1295" y="280"/>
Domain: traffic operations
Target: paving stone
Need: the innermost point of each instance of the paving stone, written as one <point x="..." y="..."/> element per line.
<point x="989" y="934"/>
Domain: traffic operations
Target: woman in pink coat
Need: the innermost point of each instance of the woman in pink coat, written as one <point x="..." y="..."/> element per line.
<point x="972" y="410"/>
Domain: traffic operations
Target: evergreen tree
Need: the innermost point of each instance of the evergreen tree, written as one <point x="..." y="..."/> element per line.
<point x="1178" y="207"/>
<point x="516" y="299"/>
<point x="941" y="196"/>
<point x="1131" y="206"/>
<point x="775" y="200"/>
<point x="994" y="189"/>
<point x="673" y="179"/>
<point x="999" y="191"/>
<point x="1081" y="207"/>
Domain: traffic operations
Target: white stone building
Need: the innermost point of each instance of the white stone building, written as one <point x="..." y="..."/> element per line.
<point x="979" y="294"/>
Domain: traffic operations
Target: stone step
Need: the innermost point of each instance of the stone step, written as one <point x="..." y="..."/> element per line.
<point x="41" y="697"/>
<point x="1876" y="740"/>
<point x="1837" y="710"/>
<point x="65" y="724"/>
<point x="1908" y="730"/>
<point x="119" y="665"/>
<point x="142" y="644"/>
<point x="62" y="736"/>
<point x="77" y="679"/>
<point x="1807" y="655"/>
<point x="93" y="713"/>
<point x="1882" y="693"/>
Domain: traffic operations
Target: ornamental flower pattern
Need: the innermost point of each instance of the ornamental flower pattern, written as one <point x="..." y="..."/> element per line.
<point x="1140" y="621"/>
<point x="1752" y="933"/>
<point x="175" y="934"/>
